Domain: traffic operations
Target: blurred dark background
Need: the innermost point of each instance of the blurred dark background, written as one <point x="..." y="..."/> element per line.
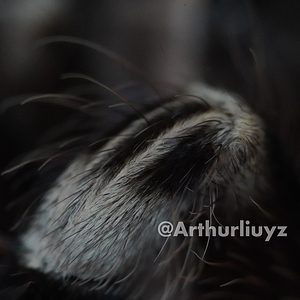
<point x="249" y="47"/>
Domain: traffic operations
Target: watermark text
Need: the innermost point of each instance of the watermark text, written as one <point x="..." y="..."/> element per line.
<point x="244" y="229"/>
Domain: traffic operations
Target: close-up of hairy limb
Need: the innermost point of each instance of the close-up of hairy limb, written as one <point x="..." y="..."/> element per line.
<point x="121" y="118"/>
